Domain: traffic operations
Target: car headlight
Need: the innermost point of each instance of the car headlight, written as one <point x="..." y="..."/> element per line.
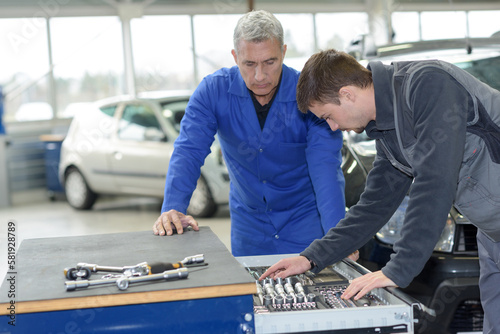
<point x="447" y="239"/>
<point x="391" y="232"/>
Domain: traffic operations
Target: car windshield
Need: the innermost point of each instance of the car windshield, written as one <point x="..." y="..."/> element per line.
<point x="484" y="64"/>
<point x="173" y="112"/>
<point x="487" y="70"/>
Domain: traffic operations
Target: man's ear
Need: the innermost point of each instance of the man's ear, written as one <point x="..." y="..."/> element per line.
<point x="346" y="93"/>
<point x="235" y="56"/>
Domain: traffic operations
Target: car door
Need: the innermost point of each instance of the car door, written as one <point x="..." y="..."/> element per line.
<point x="87" y="143"/>
<point x="140" y="151"/>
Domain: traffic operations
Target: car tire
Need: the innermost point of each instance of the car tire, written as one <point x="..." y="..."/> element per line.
<point x="202" y="203"/>
<point x="78" y="193"/>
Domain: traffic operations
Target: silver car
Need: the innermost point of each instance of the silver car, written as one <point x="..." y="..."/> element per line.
<point x="122" y="146"/>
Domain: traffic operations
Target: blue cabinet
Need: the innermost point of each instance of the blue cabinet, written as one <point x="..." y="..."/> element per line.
<point x="52" y="153"/>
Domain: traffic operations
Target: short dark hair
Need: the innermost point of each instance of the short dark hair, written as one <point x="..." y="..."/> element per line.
<point x="325" y="73"/>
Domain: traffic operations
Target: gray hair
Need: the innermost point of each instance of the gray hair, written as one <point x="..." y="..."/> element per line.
<point x="258" y="26"/>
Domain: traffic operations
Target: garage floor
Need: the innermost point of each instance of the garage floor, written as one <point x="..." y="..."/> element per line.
<point x="49" y="219"/>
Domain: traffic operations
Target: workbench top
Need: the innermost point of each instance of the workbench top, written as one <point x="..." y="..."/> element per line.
<point x="40" y="264"/>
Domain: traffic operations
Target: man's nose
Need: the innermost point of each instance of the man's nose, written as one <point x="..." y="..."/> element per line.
<point x="334" y="126"/>
<point x="259" y="73"/>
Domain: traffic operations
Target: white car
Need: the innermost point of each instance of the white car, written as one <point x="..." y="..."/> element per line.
<point x="122" y="146"/>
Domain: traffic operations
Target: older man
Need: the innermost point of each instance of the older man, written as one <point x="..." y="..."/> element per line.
<point x="286" y="181"/>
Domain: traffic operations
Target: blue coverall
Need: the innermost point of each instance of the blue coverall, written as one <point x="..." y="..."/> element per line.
<point x="287" y="186"/>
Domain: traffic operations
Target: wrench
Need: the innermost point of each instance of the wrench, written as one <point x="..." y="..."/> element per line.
<point x="84" y="270"/>
<point x="123" y="282"/>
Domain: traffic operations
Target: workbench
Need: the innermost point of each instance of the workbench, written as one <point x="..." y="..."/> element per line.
<point x="216" y="298"/>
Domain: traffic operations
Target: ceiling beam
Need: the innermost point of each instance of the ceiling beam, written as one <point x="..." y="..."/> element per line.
<point x="47" y="9"/>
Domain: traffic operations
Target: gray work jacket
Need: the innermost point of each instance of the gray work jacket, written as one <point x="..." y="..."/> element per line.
<point x="437" y="130"/>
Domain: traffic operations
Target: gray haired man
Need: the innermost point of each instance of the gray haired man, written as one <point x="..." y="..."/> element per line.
<point x="287" y="187"/>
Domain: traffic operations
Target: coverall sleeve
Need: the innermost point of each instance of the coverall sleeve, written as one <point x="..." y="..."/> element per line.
<point x="198" y="128"/>
<point x="439" y="107"/>
<point x="385" y="189"/>
<point x="324" y="161"/>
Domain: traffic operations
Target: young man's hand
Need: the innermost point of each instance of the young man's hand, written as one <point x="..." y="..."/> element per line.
<point x="287" y="267"/>
<point x="364" y="284"/>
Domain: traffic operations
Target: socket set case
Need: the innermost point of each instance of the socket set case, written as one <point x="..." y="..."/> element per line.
<point x="312" y="303"/>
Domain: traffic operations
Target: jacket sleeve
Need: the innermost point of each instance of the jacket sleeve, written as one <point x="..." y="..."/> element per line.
<point x="324" y="158"/>
<point x="385" y="189"/>
<point x="439" y="107"/>
<point x="198" y="128"/>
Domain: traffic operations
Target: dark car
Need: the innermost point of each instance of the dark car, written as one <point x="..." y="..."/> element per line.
<point x="449" y="281"/>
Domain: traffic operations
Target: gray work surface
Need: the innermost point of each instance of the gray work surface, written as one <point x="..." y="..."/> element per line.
<point x="41" y="263"/>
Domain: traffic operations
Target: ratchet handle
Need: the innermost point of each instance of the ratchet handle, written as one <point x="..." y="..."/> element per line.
<point x="160" y="267"/>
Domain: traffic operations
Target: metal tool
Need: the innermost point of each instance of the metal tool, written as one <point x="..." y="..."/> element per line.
<point x="84" y="270"/>
<point x="123" y="282"/>
<point x="194" y="259"/>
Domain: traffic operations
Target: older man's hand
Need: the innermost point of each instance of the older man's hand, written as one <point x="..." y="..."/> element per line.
<point x="173" y="220"/>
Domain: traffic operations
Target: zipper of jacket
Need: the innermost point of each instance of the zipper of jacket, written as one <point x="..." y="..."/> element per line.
<point x="394" y="162"/>
<point x="403" y="168"/>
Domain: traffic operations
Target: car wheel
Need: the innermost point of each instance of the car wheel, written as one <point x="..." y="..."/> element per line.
<point x="78" y="193"/>
<point x="202" y="204"/>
